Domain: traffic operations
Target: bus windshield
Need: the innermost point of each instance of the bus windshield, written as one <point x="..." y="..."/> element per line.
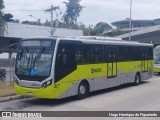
<point x="157" y="55"/>
<point x="34" y="58"/>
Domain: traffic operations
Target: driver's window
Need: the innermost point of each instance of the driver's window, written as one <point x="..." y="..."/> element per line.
<point x="65" y="60"/>
<point x="65" y="55"/>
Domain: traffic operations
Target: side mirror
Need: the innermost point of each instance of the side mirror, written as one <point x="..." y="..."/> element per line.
<point x="13" y="48"/>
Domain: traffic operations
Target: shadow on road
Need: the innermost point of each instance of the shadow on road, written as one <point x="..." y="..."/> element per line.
<point x="55" y="102"/>
<point x="157" y="74"/>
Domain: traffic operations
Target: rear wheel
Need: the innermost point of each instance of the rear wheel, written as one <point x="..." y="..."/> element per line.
<point x="137" y="79"/>
<point x="83" y="90"/>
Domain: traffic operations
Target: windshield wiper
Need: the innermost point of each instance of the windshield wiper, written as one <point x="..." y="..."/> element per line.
<point x="29" y="57"/>
<point x="38" y="55"/>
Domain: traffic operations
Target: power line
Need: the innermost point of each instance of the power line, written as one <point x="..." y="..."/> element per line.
<point x="24" y="5"/>
<point x="24" y="10"/>
<point x="51" y="10"/>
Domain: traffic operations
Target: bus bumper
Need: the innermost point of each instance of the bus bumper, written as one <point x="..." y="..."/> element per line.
<point x="50" y="92"/>
<point x="156" y="70"/>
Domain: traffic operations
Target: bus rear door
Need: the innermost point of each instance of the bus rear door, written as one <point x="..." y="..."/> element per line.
<point x="144" y="60"/>
<point x="112" y="63"/>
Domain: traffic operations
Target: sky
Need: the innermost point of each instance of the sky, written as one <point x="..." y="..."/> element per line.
<point x="95" y="10"/>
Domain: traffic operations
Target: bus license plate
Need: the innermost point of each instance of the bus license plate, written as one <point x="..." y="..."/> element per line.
<point x="30" y="94"/>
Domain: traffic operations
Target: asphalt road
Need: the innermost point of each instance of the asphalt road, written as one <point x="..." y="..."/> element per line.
<point x="144" y="97"/>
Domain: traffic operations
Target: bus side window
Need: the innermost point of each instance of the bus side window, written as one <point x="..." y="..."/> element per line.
<point x="65" y="60"/>
<point x="150" y="53"/>
<point x="60" y="59"/>
<point x="131" y="53"/>
<point x="83" y="54"/>
<point x="98" y="53"/>
<point x="65" y="55"/>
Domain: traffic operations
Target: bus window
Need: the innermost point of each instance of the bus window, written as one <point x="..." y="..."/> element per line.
<point x="138" y="53"/>
<point x="131" y="53"/>
<point x="65" y="60"/>
<point x="98" y="53"/>
<point x="122" y="53"/>
<point x="150" y="53"/>
<point x="83" y="54"/>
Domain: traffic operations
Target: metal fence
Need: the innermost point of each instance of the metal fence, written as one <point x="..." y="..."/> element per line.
<point x="6" y="86"/>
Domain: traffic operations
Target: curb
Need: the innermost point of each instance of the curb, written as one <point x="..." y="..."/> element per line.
<point x="10" y="98"/>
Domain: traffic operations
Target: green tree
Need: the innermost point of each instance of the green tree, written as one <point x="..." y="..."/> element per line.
<point x="8" y="17"/>
<point x="69" y="26"/>
<point x="73" y="11"/>
<point x="115" y="33"/>
<point x="1" y="13"/>
<point x="102" y="26"/>
<point x="29" y="22"/>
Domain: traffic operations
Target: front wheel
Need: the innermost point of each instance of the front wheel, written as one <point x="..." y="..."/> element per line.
<point x="137" y="79"/>
<point x="83" y="90"/>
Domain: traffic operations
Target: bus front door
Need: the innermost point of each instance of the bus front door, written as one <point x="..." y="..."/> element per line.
<point x="112" y="63"/>
<point x="65" y="67"/>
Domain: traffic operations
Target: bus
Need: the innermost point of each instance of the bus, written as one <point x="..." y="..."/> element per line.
<point x="157" y="59"/>
<point x="55" y="68"/>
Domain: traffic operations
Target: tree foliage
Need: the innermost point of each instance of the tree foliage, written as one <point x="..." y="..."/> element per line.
<point x="1" y="4"/>
<point x="1" y="13"/>
<point x="8" y="17"/>
<point x="29" y="22"/>
<point x="102" y="26"/>
<point x="73" y="11"/>
<point x="115" y="33"/>
<point x="70" y="26"/>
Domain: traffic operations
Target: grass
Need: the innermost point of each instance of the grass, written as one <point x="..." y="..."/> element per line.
<point x="6" y="89"/>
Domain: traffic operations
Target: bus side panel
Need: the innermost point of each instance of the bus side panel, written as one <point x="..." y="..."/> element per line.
<point x="121" y="78"/>
<point x="99" y="75"/>
<point x="84" y="72"/>
<point x="66" y="83"/>
<point x="149" y="73"/>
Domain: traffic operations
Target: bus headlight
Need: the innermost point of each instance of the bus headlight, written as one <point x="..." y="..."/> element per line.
<point x="46" y="84"/>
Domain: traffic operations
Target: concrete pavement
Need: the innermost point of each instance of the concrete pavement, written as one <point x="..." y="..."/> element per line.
<point x="144" y="97"/>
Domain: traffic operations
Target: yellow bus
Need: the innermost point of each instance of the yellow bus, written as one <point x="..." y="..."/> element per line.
<point x="56" y="68"/>
<point x="157" y="59"/>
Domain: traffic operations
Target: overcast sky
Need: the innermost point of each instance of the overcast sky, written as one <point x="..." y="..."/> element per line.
<point x="95" y="10"/>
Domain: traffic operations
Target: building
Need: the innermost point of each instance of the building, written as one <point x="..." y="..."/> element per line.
<point x="157" y="21"/>
<point x="13" y="32"/>
<point x="145" y="31"/>
<point x="124" y="24"/>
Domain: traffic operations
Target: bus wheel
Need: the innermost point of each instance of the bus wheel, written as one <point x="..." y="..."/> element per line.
<point x="137" y="79"/>
<point x="83" y="90"/>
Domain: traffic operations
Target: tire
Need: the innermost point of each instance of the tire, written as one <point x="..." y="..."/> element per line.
<point x="137" y="79"/>
<point x="83" y="90"/>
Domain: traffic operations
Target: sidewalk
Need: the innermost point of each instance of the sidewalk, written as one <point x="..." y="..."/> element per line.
<point x="7" y="92"/>
<point x="13" y="97"/>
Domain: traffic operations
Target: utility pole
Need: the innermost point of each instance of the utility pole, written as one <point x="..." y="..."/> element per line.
<point x="130" y="20"/>
<point x="51" y="10"/>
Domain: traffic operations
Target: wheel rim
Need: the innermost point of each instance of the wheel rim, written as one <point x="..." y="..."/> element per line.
<point x="82" y="90"/>
<point x="137" y="79"/>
